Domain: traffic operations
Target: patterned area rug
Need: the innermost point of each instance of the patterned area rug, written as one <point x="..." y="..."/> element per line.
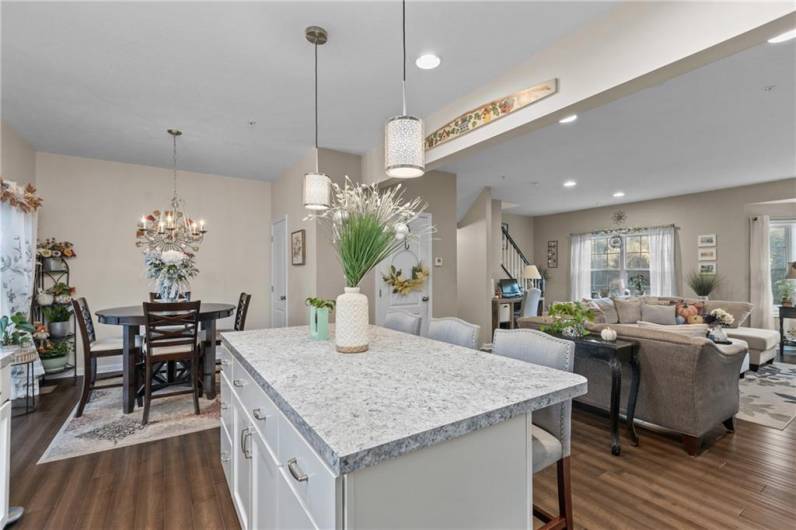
<point x="103" y="426"/>
<point x="768" y="396"/>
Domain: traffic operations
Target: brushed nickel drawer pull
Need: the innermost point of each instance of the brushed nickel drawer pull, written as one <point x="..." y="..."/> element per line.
<point x="225" y="457"/>
<point x="258" y="415"/>
<point x="225" y="362"/>
<point x="295" y="470"/>
<point x="238" y="383"/>
<point x="224" y="406"/>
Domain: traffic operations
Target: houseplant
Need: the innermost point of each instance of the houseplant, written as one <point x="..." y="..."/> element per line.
<point x="703" y="284"/>
<point x="569" y="319"/>
<point x="53" y="355"/>
<point x="15" y="331"/>
<point x="61" y="292"/>
<point x="319" y="317"/>
<point x="52" y="253"/>
<point x="786" y="290"/>
<point x="638" y="284"/>
<point x="58" y="320"/>
<point x="171" y="272"/>
<point x="367" y="226"/>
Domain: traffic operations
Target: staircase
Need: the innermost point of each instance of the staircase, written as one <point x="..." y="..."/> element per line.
<point x="513" y="262"/>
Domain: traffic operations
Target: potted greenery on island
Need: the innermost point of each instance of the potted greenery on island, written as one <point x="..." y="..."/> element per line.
<point x="320" y="309"/>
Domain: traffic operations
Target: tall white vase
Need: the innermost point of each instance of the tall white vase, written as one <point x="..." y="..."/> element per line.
<point x="351" y="322"/>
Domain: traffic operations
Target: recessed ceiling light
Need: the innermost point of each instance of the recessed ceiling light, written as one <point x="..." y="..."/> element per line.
<point x="784" y="37"/>
<point x="428" y="61"/>
<point x="568" y="119"/>
<point x="619" y="194"/>
<point x="570" y="183"/>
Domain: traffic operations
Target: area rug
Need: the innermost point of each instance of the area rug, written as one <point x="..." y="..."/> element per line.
<point x="768" y="396"/>
<point x="103" y="426"/>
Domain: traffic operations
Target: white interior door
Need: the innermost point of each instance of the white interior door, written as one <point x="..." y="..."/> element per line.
<point x="414" y="252"/>
<point x="279" y="273"/>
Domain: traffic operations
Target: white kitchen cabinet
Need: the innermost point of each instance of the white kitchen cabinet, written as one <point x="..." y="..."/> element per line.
<point x="265" y="474"/>
<point x="241" y="464"/>
<point x="5" y="462"/>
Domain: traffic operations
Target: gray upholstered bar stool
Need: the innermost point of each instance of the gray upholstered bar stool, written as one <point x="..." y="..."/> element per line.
<point x="403" y="321"/>
<point x="454" y="331"/>
<point x="552" y="426"/>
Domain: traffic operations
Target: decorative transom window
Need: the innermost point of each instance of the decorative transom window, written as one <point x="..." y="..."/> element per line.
<point x="620" y="264"/>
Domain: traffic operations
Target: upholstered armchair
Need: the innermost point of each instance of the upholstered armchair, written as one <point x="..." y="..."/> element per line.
<point x="403" y="321"/>
<point x="454" y="331"/>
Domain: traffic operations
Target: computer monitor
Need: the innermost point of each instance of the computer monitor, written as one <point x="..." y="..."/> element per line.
<point x="510" y="288"/>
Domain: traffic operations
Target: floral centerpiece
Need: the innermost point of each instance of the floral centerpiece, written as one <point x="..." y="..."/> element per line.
<point x="569" y="319"/>
<point x="367" y="226"/>
<point x="171" y="272"/>
<point x="717" y="320"/>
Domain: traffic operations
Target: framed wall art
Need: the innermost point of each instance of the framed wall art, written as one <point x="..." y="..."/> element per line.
<point x="706" y="240"/>
<point x="707" y="267"/>
<point x="298" y="253"/>
<point x="552" y="254"/>
<point x="707" y="254"/>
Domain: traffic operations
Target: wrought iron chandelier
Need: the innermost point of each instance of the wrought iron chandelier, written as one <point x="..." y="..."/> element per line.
<point x="404" y="156"/>
<point x="171" y="229"/>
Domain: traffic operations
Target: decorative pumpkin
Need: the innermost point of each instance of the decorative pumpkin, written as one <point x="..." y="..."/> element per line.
<point x="608" y="334"/>
<point x="695" y="319"/>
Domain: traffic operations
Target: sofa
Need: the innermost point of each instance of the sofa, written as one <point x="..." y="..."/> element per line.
<point x="689" y="384"/>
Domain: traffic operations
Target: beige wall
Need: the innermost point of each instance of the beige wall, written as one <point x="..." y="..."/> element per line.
<point x="17" y="158"/>
<point x="475" y="252"/>
<point x="321" y="262"/>
<point x="521" y="231"/>
<point x="96" y="205"/>
<point x="721" y="212"/>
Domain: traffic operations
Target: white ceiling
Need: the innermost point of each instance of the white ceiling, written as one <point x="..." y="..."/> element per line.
<point x="104" y="80"/>
<point x="714" y="127"/>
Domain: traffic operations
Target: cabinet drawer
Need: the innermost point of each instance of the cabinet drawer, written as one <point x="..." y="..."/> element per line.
<point x="226" y="403"/>
<point x="308" y="477"/>
<point x="226" y="456"/>
<point x="263" y="412"/>
<point x="223" y="355"/>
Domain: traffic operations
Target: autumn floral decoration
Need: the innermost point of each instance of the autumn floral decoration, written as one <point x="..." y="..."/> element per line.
<point x="402" y="285"/>
<point x="24" y="198"/>
<point x="51" y="248"/>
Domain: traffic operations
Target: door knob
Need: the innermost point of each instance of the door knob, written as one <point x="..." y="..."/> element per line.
<point x="425" y="298"/>
<point x="283" y="297"/>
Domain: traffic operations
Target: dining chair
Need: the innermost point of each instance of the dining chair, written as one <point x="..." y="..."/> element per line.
<point x="240" y="316"/>
<point x="403" y="321"/>
<point x="454" y="331"/>
<point x="94" y="349"/>
<point x="530" y="302"/>
<point x="172" y="330"/>
<point x="552" y="426"/>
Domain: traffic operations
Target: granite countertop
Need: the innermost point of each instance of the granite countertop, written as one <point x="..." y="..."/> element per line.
<point x="405" y="393"/>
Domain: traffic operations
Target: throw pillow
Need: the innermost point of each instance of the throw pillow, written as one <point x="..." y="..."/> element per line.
<point x="739" y="310"/>
<point x="606" y="305"/>
<point x="629" y="310"/>
<point x="659" y="314"/>
<point x="599" y="316"/>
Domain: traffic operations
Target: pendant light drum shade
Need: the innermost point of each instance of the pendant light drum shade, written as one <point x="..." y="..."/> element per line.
<point x="317" y="189"/>
<point x="403" y="147"/>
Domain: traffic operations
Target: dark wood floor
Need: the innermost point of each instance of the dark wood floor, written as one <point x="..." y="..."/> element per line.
<point x="744" y="480"/>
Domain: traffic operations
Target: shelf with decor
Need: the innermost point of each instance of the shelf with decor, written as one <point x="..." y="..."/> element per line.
<point x="51" y="310"/>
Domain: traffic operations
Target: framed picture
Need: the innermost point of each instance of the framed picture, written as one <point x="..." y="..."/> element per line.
<point x="706" y="240"/>
<point x="707" y="254"/>
<point x="707" y="267"/>
<point x="552" y="254"/>
<point x="298" y="253"/>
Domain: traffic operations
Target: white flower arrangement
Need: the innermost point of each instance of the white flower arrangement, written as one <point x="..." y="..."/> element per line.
<point x="721" y="317"/>
<point x="171" y="272"/>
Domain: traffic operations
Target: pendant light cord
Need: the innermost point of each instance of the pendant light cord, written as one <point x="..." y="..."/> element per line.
<point x="174" y="161"/>
<point x="316" y="106"/>
<point x="403" y="47"/>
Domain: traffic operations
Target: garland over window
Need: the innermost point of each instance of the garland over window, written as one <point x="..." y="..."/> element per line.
<point x="23" y="198"/>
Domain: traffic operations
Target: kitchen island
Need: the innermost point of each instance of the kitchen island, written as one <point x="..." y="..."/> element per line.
<point x="414" y="433"/>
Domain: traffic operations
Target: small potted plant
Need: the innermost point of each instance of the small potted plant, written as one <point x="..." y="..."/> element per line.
<point x="320" y="309"/>
<point x="703" y="284"/>
<point x="53" y="253"/>
<point x="569" y="319"/>
<point x="639" y="284"/>
<point x="58" y="320"/>
<point x="53" y="355"/>
<point x="15" y="332"/>
<point x="717" y="320"/>
<point x="786" y="290"/>
<point x="61" y="292"/>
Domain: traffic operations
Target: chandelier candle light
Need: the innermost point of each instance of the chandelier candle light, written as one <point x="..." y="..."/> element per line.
<point x="404" y="156"/>
<point x="171" y="229"/>
<point x="316" y="184"/>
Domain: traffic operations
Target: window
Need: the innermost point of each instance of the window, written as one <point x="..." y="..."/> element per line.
<point x="782" y="241"/>
<point x="616" y="258"/>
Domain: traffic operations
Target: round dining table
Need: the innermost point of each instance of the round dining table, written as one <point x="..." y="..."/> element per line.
<point x="131" y="318"/>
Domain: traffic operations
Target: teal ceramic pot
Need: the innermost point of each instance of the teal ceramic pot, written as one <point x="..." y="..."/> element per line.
<point x="319" y="323"/>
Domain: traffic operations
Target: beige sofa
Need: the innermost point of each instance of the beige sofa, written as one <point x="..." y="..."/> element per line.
<point x="688" y="383"/>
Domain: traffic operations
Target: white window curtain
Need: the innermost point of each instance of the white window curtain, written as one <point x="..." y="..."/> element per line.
<point x="760" y="273"/>
<point x="580" y="266"/>
<point x="17" y="265"/>
<point x="662" y="263"/>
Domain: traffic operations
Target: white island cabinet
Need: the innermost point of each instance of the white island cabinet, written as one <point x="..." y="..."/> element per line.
<point x="413" y="433"/>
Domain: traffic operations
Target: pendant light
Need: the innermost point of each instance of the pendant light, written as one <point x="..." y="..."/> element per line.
<point x="404" y="156"/>
<point x="317" y="185"/>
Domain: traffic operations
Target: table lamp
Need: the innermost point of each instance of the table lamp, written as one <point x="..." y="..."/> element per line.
<point x="532" y="272"/>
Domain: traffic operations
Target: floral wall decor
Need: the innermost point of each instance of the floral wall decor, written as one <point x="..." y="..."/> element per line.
<point x="24" y="199"/>
<point x="402" y="285"/>
<point x="489" y="112"/>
